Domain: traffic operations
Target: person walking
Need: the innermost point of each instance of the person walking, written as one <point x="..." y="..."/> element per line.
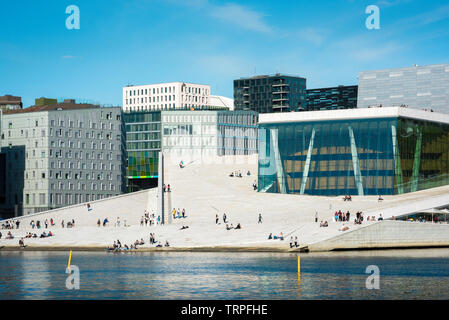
<point x="216" y="219"/>
<point x="260" y="218"/>
<point x="316" y="216"/>
<point x="224" y="217"/>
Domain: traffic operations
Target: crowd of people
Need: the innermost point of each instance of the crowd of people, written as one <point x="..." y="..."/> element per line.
<point x="29" y="235"/>
<point x="118" y="247"/>
<point x="230" y="227"/>
<point x="280" y="237"/>
<point x="9" y="225"/>
<point x="226" y="222"/>
<point x="341" y="216"/>
<point x="237" y="174"/>
<point x="294" y="243"/>
<point x="35" y="224"/>
<point x="178" y="214"/>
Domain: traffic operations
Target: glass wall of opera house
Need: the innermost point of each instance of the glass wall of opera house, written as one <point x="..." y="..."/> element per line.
<point x="372" y="151"/>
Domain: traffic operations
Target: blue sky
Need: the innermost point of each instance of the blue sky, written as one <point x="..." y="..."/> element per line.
<point x="212" y="42"/>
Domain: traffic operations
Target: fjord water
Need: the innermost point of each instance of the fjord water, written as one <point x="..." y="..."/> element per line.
<point x="407" y="274"/>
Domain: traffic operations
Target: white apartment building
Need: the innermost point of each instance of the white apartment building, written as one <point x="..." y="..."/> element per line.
<point x="165" y="96"/>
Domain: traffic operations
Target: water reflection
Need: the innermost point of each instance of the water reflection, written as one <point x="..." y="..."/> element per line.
<point x="41" y="275"/>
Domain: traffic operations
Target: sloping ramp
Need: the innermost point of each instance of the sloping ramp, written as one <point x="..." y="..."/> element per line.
<point x="388" y="234"/>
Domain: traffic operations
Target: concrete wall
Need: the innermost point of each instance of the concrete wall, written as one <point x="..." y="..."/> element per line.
<point x="128" y="207"/>
<point x="388" y="234"/>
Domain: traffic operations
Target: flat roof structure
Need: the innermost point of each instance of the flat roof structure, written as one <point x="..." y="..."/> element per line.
<point x="354" y="114"/>
<point x="367" y="151"/>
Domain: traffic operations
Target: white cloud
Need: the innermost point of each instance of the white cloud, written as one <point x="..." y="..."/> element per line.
<point x="241" y="16"/>
<point x="313" y="35"/>
<point x="390" y="3"/>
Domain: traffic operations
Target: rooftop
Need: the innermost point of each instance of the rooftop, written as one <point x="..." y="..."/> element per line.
<point x="348" y="114"/>
<point x="407" y="68"/>
<point x="271" y="76"/>
<point x="337" y="87"/>
<point x="10" y="98"/>
<point x="164" y="83"/>
<point x="52" y="107"/>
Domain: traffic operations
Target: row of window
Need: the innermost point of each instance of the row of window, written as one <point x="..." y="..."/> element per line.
<point x="170" y="89"/>
<point x="65" y="199"/>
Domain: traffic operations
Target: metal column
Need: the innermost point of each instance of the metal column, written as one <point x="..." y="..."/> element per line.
<point x="305" y="173"/>
<point x="397" y="160"/>
<point x="160" y="188"/>
<point x="356" y="163"/>
<point x="416" y="162"/>
<point x="277" y="159"/>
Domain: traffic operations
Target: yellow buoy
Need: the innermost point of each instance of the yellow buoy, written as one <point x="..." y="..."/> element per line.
<point x="70" y="259"/>
<point x="299" y="269"/>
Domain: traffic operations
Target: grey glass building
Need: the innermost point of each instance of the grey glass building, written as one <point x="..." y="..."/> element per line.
<point x="60" y="155"/>
<point x="419" y="87"/>
<point x="353" y="152"/>
<point x="341" y="97"/>
<point x="268" y="94"/>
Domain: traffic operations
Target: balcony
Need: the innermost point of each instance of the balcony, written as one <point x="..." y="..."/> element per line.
<point x="279" y="99"/>
<point x="281" y="91"/>
<point x="280" y="84"/>
<point x="279" y="107"/>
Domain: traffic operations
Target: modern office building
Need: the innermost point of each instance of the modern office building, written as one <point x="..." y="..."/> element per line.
<point x="341" y="97"/>
<point x="143" y="144"/>
<point x="9" y="102"/>
<point x="165" y="96"/>
<point x="202" y="134"/>
<point x="368" y="151"/>
<point x="418" y="87"/>
<point x="268" y="94"/>
<point x="62" y="154"/>
<point x="184" y="134"/>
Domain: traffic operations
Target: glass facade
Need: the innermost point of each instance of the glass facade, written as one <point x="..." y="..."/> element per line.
<point x="183" y="133"/>
<point x="209" y="133"/>
<point x="353" y="157"/>
<point x="341" y="97"/>
<point x="267" y="94"/>
<point x="143" y="143"/>
<point x="419" y="87"/>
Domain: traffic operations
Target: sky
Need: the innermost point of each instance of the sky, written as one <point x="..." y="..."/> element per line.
<point x="209" y="42"/>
